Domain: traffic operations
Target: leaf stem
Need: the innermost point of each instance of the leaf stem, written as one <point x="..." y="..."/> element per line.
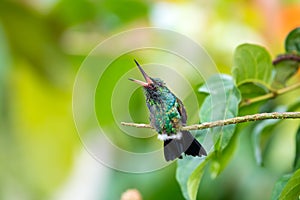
<point x="270" y="95"/>
<point x="235" y="120"/>
<point x="286" y="57"/>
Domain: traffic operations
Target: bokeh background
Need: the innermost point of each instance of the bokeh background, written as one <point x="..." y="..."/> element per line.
<point x="42" y="45"/>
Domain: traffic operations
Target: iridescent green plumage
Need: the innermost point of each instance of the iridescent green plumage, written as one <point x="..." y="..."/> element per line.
<point x="164" y="108"/>
<point x="167" y="116"/>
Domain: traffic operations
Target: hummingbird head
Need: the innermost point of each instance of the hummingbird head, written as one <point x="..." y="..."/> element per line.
<point x="154" y="87"/>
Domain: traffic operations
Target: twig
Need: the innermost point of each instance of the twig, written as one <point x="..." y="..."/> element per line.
<point x="286" y="57"/>
<point x="136" y="125"/>
<point x="270" y="95"/>
<point x="235" y="120"/>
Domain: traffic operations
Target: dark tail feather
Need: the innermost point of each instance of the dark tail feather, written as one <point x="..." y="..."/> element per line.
<point x="173" y="148"/>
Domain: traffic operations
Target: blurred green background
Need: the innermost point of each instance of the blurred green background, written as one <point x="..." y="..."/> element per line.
<point x="42" y="45"/>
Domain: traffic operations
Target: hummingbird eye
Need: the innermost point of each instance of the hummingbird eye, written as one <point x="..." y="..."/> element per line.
<point x="151" y="86"/>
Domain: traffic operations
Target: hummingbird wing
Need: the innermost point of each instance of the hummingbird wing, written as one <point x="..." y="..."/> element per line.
<point x="181" y="111"/>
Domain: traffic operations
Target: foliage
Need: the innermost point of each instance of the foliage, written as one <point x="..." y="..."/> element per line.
<point x="43" y="43"/>
<point x="252" y="69"/>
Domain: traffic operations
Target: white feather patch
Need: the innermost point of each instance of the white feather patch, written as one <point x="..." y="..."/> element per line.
<point x="164" y="137"/>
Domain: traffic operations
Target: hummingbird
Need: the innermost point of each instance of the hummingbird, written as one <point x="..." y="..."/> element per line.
<point x="167" y="117"/>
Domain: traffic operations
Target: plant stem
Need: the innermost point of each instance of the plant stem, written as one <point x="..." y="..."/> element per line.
<point x="136" y="125"/>
<point x="270" y="95"/>
<point x="286" y="57"/>
<point x="235" y="120"/>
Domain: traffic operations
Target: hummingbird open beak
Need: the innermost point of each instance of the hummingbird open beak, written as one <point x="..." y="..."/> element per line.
<point x="147" y="78"/>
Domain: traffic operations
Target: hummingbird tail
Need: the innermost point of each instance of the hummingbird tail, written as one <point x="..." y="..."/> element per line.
<point x="173" y="148"/>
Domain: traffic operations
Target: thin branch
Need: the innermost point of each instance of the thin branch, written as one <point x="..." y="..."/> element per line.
<point x="270" y="95"/>
<point x="286" y="57"/>
<point x="235" y="120"/>
<point x="246" y="118"/>
<point x="136" y="125"/>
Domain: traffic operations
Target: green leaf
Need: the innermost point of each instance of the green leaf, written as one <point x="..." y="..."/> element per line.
<point x="252" y="63"/>
<point x="195" y="178"/>
<point x="222" y="103"/>
<point x="292" y="188"/>
<point x="279" y="186"/>
<point x="297" y="157"/>
<point x="261" y="135"/>
<point x="248" y="91"/>
<point x="283" y="71"/>
<point x="251" y="90"/>
<point x="221" y="160"/>
<point x="185" y="168"/>
<point x="217" y="82"/>
<point x="292" y="41"/>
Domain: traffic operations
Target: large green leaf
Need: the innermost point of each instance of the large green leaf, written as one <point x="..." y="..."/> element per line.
<point x="195" y="178"/>
<point x="292" y="188"/>
<point x="261" y="136"/>
<point x="221" y="159"/>
<point x="252" y="63"/>
<point x="222" y="103"/>
<point x="185" y="168"/>
<point x="283" y="71"/>
<point x="288" y="186"/>
<point x="218" y="160"/>
<point x="297" y="156"/>
<point x="279" y="186"/>
<point x="292" y="41"/>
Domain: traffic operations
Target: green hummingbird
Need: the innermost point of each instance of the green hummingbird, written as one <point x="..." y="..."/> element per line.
<point x="167" y="116"/>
